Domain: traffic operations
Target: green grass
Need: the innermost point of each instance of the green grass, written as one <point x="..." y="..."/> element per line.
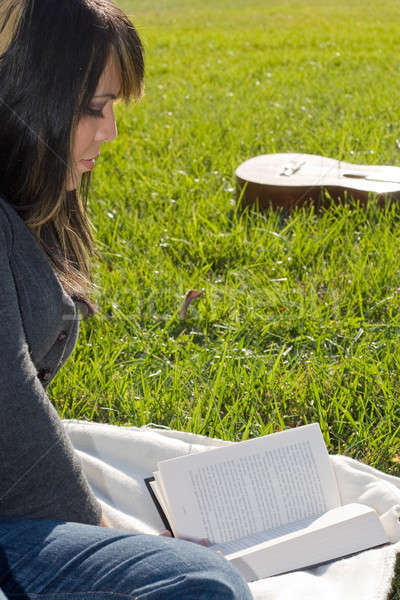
<point x="299" y="320"/>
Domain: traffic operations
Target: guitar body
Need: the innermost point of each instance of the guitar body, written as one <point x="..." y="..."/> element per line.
<point x="289" y="180"/>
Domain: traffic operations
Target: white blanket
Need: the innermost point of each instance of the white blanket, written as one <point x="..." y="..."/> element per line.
<point x="117" y="459"/>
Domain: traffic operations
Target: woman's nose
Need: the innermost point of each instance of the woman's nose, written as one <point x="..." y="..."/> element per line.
<point x="107" y="131"/>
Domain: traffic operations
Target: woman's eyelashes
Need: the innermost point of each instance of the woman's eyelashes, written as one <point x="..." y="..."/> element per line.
<point x="94" y="112"/>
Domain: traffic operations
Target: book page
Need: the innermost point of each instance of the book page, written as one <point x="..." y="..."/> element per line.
<point x="231" y="492"/>
<point x="339" y="532"/>
<point x="261" y="536"/>
<point x="353" y="514"/>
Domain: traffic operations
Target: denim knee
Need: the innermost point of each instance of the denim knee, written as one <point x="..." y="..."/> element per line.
<point x="58" y="559"/>
<point x="206" y="575"/>
<point x="223" y="582"/>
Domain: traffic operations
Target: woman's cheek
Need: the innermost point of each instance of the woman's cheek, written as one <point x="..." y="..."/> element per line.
<point x="84" y="136"/>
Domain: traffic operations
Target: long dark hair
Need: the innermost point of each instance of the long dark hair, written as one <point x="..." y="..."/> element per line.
<point x="52" y="54"/>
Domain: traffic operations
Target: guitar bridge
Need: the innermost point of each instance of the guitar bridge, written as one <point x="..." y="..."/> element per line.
<point x="291" y="168"/>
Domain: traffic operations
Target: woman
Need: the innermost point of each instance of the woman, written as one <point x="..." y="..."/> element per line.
<point x="63" y="63"/>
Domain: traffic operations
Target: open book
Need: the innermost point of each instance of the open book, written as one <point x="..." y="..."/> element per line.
<point x="269" y="504"/>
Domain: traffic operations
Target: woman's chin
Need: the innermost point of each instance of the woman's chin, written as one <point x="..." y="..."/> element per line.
<point x="74" y="184"/>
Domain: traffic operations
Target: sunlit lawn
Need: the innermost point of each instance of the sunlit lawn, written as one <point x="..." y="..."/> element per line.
<point x="299" y="320"/>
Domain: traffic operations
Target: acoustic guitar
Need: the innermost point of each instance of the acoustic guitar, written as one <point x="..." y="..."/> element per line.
<point x="289" y="180"/>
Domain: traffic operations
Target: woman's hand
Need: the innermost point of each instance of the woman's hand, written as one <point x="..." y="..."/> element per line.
<point x="202" y="542"/>
<point x="104" y="522"/>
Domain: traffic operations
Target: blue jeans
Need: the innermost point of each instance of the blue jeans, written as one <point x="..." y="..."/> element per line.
<point x="43" y="559"/>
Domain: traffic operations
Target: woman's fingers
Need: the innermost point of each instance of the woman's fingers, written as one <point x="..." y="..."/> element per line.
<point x="166" y="532"/>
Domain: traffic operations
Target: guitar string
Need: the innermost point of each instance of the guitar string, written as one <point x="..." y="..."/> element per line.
<point x="312" y="186"/>
<point x="327" y="172"/>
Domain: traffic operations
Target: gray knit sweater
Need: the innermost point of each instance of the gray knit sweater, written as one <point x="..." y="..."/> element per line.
<point x="40" y="474"/>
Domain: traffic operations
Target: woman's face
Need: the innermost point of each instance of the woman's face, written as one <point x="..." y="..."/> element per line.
<point x="95" y="128"/>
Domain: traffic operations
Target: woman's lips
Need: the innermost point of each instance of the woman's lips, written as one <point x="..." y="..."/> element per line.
<point x="89" y="163"/>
